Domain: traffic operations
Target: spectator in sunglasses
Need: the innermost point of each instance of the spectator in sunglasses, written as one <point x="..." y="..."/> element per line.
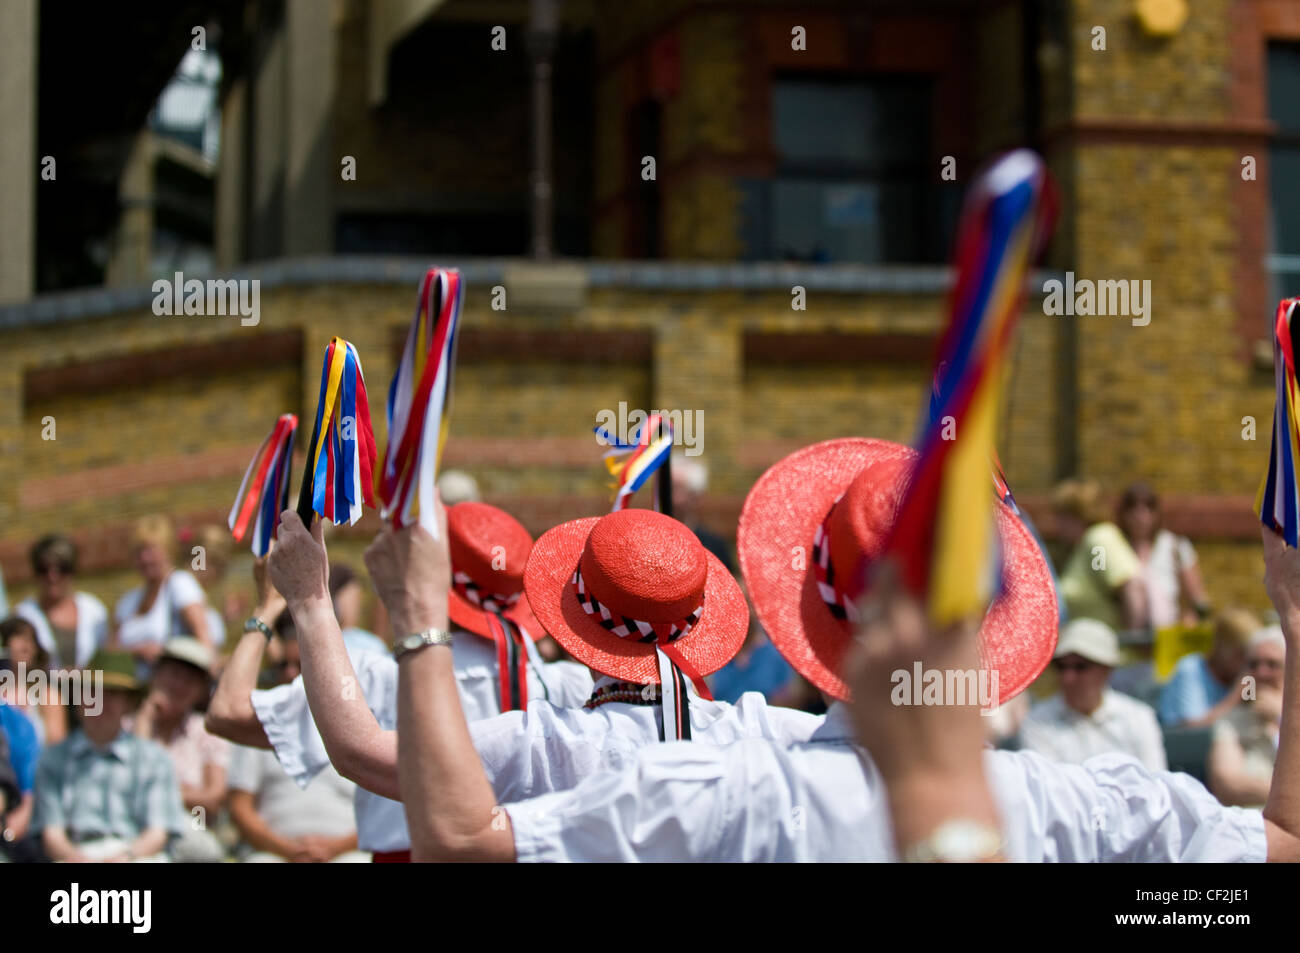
<point x="70" y="625"/>
<point x="1085" y="717"/>
<point x="1245" y="740"/>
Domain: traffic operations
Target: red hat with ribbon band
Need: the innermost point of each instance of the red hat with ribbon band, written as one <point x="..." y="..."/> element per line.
<point x="833" y="504"/>
<point x="489" y="549"/>
<point x="636" y="596"/>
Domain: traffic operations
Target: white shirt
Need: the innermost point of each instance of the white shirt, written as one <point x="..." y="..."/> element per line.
<point x="179" y="591"/>
<point x="324" y="807"/>
<point x="753" y="802"/>
<point x="1120" y="724"/>
<point x="92" y="628"/>
<point x="381" y="822"/>
<point x="548" y="748"/>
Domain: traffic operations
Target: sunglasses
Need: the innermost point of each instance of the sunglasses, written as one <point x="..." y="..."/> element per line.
<point x="57" y="569"/>
<point x="1263" y="663"/>
<point x="1073" y="666"/>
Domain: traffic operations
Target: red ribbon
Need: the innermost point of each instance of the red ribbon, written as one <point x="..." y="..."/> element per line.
<point x="503" y="639"/>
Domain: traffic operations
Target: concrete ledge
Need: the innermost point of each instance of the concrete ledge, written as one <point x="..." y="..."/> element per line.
<point x="633" y="275"/>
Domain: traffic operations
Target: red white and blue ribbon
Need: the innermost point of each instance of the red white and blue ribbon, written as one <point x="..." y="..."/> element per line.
<point x="341" y="457"/>
<point x="944" y="540"/>
<point x="419" y="403"/>
<point x="1278" y="500"/>
<point x="1000" y="486"/>
<point x="632" y="464"/>
<point x="264" y="492"/>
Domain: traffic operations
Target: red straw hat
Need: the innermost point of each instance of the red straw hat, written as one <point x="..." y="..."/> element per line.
<point x="489" y="549"/>
<point x="850" y="490"/>
<point x="610" y="589"/>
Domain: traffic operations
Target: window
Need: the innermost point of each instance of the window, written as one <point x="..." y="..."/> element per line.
<point x="855" y="180"/>
<point x="1284" y="169"/>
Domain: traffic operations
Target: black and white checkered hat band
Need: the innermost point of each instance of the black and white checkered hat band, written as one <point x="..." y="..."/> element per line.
<point x="626" y="628"/>
<point x="487" y="601"/>
<point x="841" y="605"/>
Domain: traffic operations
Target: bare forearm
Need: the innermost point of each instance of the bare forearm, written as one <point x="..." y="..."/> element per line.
<point x="150" y="842"/>
<point x="230" y="713"/>
<point x="1283" y="805"/>
<point x="254" y="830"/>
<point x="358" y="747"/>
<point x="450" y="806"/>
<point x="57" y="845"/>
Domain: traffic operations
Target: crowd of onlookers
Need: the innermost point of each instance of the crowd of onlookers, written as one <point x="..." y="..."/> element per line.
<point x="123" y="768"/>
<point x="133" y="774"/>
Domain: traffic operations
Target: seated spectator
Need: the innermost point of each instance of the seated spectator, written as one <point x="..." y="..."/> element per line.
<point x="105" y="794"/>
<point x="1245" y="740"/>
<point x="70" y="625"/>
<point x="1101" y="576"/>
<point x="21" y="752"/>
<point x="170" y="717"/>
<point x="1085" y="718"/>
<point x="216" y="544"/>
<point x="346" y="594"/>
<point x="170" y="601"/>
<point x="1170" y="573"/>
<point x="49" y="718"/>
<point x="278" y="820"/>
<point x="1202" y="688"/>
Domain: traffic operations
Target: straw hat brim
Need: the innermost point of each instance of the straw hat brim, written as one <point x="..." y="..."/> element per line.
<point x="778" y="522"/>
<point x="548" y="585"/>
<point x="473" y="618"/>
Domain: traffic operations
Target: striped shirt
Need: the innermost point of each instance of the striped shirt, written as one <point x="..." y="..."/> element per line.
<point x="121" y="790"/>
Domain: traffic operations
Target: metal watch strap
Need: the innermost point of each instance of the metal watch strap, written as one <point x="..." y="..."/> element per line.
<point x="419" y="640"/>
<point x="254" y="624"/>
<point x="958" y="841"/>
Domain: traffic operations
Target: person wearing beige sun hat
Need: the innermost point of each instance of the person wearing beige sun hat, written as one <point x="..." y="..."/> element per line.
<point x="635" y="596"/>
<point x="310" y="724"/>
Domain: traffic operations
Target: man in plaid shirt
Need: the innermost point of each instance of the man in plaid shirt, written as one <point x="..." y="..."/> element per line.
<point x="104" y="794"/>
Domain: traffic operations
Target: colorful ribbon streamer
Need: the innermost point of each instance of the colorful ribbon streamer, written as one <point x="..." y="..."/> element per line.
<point x="631" y="464"/>
<point x="419" y="404"/>
<point x="264" y="491"/>
<point x="1278" y="500"/>
<point x="944" y="539"/>
<point x="341" y="456"/>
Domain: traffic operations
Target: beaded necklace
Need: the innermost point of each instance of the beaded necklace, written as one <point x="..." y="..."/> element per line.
<point x="629" y="693"/>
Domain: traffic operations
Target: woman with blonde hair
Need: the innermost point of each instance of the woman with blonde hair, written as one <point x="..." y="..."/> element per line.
<point x="170" y="602"/>
<point x="70" y="624"/>
<point x="1102" y="575"/>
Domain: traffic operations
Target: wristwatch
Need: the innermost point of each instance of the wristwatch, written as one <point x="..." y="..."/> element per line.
<point x="957" y="842"/>
<point x="254" y="624"/>
<point x="419" y="640"/>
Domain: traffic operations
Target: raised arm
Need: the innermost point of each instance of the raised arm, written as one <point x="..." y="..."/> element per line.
<point x="930" y="756"/>
<point x="360" y="750"/>
<point x="1282" y="811"/>
<point x="230" y="713"/>
<point x="450" y="808"/>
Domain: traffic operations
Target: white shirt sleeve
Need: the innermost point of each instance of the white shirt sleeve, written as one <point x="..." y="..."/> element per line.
<point x="286" y="719"/>
<point x="1111" y="808"/>
<point x="184" y="590"/>
<point x="286" y="716"/>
